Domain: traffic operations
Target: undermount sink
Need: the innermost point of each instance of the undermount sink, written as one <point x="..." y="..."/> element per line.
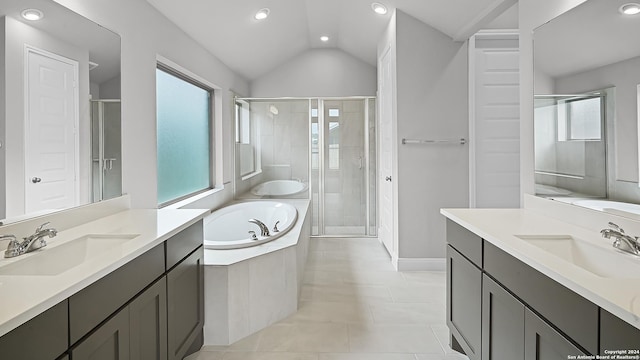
<point x="51" y="261"/>
<point x="602" y="262"/>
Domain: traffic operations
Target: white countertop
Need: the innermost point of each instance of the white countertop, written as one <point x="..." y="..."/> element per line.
<point x="24" y="297"/>
<point x="619" y="296"/>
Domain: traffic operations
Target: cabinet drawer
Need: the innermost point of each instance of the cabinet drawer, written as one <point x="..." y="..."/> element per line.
<point x="43" y="337"/>
<point x="92" y="305"/>
<point x="569" y="312"/>
<point x="466" y="242"/>
<point x="183" y="243"/>
<point x="616" y="334"/>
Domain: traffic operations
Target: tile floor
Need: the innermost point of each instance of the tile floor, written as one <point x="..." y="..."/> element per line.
<point x="353" y="306"/>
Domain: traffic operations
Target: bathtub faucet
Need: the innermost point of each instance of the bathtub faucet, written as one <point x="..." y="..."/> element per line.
<point x="264" y="230"/>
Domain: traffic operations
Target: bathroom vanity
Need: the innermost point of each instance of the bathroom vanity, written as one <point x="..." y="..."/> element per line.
<point x="523" y="285"/>
<point x="140" y="298"/>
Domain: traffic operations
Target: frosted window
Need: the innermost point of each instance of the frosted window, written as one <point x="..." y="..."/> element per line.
<point x="334" y="112"/>
<point x="183" y="126"/>
<point x="585" y="118"/>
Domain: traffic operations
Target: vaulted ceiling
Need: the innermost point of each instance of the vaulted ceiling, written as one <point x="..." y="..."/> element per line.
<point x="227" y="28"/>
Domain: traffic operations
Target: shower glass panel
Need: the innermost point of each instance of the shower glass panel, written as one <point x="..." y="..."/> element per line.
<point x="106" y="149"/>
<point x="570" y="145"/>
<point x="327" y="144"/>
<point x="343" y="141"/>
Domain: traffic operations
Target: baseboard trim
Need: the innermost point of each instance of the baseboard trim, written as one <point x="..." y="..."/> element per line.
<point x="420" y="264"/>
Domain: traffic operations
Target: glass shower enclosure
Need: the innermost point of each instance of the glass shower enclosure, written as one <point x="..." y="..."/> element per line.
<point x="329" y="144"/>
<point x="106" y="153"/>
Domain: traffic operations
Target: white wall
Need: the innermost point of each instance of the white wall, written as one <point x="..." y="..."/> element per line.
<point x="432" y="102"/>
<point x="145" y="34"/>
<point x="532" y="13"/>
<point x="318" y="72"/>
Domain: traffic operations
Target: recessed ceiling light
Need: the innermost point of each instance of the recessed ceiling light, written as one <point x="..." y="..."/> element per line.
<point x="630" y="9"/>
<point x="32" y="14"/>
<point x="379" y="8"/>
<point x="262" y="14"/>
<point x="324" y="38"/>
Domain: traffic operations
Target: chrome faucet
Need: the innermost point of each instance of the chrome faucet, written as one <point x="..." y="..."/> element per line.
<point x="36" y="241"/>
<point x="30" y="243"/>
<point x="12" y="248"/>
<point x="264" y="230"/>
<point x="622" y="241"/>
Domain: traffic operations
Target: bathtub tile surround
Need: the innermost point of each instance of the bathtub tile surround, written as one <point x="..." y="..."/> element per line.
<point x="344" y="315"/>
<point x="249" y="289"/>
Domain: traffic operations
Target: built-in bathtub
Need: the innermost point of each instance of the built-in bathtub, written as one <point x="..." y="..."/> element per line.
<point x="230" y="227"/>
<point x="279" y="188"/>
<point x="604" y="205"/>
<point x="250" y="288"/>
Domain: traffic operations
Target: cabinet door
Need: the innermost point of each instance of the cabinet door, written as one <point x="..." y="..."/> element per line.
<point x="502" y="323"/>
<point x="464" y="302"/>
<point x="109" y="342"/>
<point x="148" y="323"/>
<point x="542" y="342"/>
<point x="185" y="302"/>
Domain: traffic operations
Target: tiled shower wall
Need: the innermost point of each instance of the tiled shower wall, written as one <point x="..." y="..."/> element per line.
<point x="281" y="134"/>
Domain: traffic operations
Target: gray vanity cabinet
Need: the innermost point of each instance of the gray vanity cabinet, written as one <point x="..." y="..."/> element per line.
<point x="464" y="299"/>
<point x="185" y="302"/>
<point x="91" y="305"/>
<point x="501" y="308"/>
<point x="150" y="308"/>
<point x="503" y="323"/>
<point x="138" y="331"/>
<point x="109" y="342"/>
<point x="43" y="337"/>
<point x="616" y="334"/>
<point x="543" y="342"/>
<point x="148" y="323"/>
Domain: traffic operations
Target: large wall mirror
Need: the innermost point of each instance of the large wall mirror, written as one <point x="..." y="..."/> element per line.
<point x="587" y="71"/>
<point x="60" y="110"/>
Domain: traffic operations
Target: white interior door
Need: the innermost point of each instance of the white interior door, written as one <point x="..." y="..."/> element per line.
<point x="386" y="229"/>
<point x="51" y="148"/>
<point x="495" y="122"/>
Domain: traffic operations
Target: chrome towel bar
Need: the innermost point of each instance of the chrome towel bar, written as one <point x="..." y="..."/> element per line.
<point x="460" y="141"/>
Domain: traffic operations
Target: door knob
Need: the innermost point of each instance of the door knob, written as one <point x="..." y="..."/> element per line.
<point x="388" y="178"/>
<point x="35" y="180"/>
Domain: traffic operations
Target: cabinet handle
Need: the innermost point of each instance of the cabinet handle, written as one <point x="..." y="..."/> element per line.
<point x="35" y="180"/>
<point x="388" y="178"/>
